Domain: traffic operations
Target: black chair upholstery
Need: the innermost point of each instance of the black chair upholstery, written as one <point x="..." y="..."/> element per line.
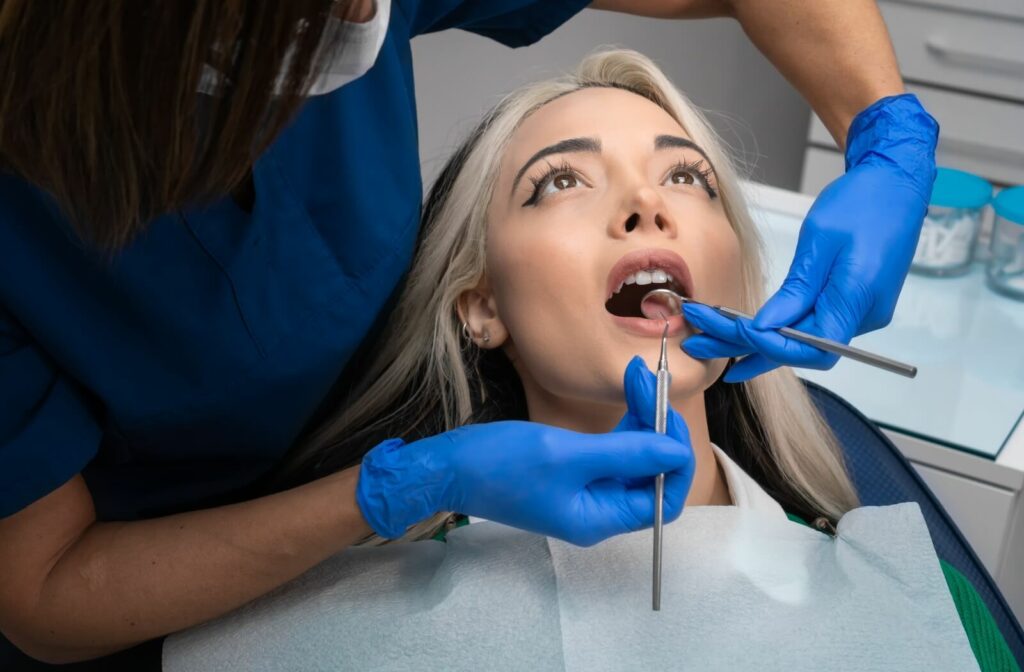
<point x="883" y="476"/>
<point x="145" y="657"/>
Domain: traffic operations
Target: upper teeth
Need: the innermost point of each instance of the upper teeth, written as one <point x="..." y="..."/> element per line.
<point x="651" y="275"/>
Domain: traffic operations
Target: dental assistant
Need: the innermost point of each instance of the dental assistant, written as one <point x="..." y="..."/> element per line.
<point x="204" y="210"/>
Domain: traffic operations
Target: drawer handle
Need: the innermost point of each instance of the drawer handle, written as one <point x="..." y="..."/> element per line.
<point x="938" y="46"/>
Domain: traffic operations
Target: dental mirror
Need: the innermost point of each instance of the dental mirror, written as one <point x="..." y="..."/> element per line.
<point x="659" y="304"/>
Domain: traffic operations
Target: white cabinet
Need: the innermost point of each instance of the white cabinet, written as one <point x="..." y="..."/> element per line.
<point x="965" y="61"/>
<point x="981" y="511"/>
<point x="963" y="51"/>
<point x="985" y="500"/>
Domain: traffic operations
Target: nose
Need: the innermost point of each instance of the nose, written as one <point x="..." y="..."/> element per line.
<point x="643" y="211"/>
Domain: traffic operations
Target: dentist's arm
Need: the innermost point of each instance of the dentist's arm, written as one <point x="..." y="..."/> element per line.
<point x="837" y="53"/>
<point x="857" y="242"/>
<point x="73" y="588"/>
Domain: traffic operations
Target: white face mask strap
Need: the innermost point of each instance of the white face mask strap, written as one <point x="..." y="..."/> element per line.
<point x="354" y="49"/>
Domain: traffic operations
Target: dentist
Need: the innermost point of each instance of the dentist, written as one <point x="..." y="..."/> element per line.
<point x="205" y="208"/>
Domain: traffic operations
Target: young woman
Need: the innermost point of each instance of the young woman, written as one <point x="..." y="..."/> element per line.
<point x="571" y="200"/>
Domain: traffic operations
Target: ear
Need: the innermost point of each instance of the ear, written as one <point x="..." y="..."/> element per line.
<point x="478" y="309"/>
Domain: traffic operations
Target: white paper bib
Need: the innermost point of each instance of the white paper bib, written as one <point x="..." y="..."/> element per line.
<point x="742" y="590"/>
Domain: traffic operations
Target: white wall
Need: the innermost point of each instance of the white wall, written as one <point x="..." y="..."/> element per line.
<point x="460" y="75"/>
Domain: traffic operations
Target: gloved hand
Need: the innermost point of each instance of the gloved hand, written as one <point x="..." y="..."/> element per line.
<point x="582" y="488"/>
<point x="641" y="399"/>
<point x="853" y="253"/>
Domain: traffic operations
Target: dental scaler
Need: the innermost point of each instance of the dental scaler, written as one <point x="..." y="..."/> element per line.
<point x="660" y="426"/>
<point x="658" y="302"/>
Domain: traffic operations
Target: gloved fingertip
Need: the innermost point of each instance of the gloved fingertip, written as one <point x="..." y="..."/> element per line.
<point x="693" y="349"/>
<point x="749" y="367"/>
<point x="696" y="315"/>
<point x="772" y="316"/>
<point x="640" y="372"/>
<point x="731" y="377"/>
<point x="757" y="338"/>
<point x="639" y="385"/>
<point x="635" y="365"/>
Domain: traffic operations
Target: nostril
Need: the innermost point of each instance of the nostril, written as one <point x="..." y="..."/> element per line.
<point x="631" y="223"/>
<point x="659" y="222"/>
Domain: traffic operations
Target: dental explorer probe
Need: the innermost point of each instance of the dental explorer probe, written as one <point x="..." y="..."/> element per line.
<point x="666" y="297"/>
<point x="660" y="426"/>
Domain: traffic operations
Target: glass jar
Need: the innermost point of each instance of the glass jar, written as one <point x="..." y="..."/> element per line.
<point x="950" y="229"/>
<point x="1005" y="269"/>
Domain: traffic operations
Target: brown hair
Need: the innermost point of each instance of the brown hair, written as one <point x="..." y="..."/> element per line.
<point x="99" y="103"/>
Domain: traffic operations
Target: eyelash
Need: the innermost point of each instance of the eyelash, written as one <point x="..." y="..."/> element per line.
<point x="541" y="183"/>
<point x="697" y="168"/>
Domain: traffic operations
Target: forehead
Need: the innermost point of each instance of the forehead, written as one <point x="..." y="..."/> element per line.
<point x="612" y="115"/>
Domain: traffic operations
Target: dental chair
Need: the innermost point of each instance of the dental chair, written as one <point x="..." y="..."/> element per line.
<point x="883" y="476"/>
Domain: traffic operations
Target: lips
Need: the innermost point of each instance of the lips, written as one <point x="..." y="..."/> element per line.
<point x="642" y="260"/>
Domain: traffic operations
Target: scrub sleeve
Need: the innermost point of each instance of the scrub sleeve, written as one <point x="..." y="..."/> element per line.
<point x="48" y="432"/>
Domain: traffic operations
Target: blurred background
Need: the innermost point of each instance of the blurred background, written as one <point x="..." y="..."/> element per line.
<point x="754" y="109"/>
<point x="963" y="58"/>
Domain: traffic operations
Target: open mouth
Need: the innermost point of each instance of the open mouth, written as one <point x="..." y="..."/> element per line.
<point x="643" y="271"/>
<point x="626" y="302"/>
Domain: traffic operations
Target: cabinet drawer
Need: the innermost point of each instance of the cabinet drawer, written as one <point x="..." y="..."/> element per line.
<point x="962" y="51"/>
<point x="1009" y="8"/>
<point x="821" y="166"/>
<point x="979" y="135"/>
<point x="981" y="511"/>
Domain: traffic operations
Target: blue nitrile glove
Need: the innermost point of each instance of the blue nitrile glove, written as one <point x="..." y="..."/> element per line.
<point x="853" y="254"/>
<point x="641" y="399"/>
<point x="582" y="488"/>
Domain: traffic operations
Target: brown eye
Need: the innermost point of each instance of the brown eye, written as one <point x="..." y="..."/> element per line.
<point x="682" y="177"/>
<point x="690" y="174"/>
<point x="565" y="182"/>
<point x="557" y="179"/>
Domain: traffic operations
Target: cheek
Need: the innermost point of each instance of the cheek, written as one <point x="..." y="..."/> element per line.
<point x="527" y="272"/>
<point x="724" y="278"/>
<point x="529" y="286"/>
<point x="546" y="295"/>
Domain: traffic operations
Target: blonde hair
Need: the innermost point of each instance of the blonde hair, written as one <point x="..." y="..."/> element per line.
<point x="424" y="379"/>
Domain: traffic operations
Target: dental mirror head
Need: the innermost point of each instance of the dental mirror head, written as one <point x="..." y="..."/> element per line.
<point x="659" y="304"/>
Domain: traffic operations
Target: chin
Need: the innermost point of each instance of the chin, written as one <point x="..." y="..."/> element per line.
<point x="694" y="376"/>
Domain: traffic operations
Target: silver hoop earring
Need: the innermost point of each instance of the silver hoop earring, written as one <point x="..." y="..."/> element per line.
<point x="465" y="331"/>
<point x="487" y="336"/>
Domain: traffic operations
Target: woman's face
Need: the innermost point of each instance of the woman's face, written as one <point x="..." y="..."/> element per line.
<point x="599" y="192"/>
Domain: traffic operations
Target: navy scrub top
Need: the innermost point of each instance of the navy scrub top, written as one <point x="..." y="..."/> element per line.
<point x="184" y="369"/>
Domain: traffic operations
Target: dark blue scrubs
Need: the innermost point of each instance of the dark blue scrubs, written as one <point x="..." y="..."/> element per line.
<point x="183" y="369"/>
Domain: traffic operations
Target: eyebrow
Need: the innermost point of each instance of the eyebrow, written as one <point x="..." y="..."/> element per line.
<point x="570" y="145"/>
<point x="674" y="142"/>
<point x="594" y="145"/>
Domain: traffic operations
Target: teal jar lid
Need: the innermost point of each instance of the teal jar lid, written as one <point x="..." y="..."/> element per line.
<point x="1009" y="204"/>
<point x="958" y="189"/>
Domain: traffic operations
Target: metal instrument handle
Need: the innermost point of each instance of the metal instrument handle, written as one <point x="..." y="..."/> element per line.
<point x="834" y="347"/>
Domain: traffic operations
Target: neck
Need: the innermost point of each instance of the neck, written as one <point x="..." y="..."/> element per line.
<point x="709" y="487"/>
